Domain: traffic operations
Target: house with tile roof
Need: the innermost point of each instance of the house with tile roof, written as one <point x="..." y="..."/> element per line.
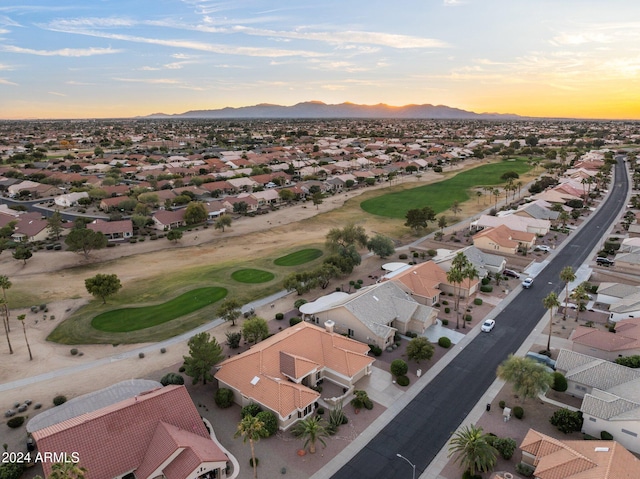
<point x="607" y="345"/>
<point x="373" y="314"/>
<point x="610" y="396"/>
<point x="623" y="300"/>
<point x="165" y="220"/>
<point x="484" y="262"/>
<point x="280" y="372"/>
<point x="577" y="459"/>
<point x="154" y="434"/>
<point x="502" y="239"/>
<point x="113" y="230"/>
<point x="514" y="222"/>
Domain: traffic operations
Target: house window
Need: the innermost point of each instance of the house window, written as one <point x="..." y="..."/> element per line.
<point x="581" y="388"/>
<point x="631" y="433"/>
<point x="350" y="333"/>
<point x="592" y="419"/>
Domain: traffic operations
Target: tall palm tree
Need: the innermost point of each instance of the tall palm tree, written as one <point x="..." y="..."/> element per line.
<point x="470" y="273"/>
<point x="473" y="451"/>
<point x="5" y="284"/>
<point x="550" y="302"/>
<point x="455" y="277"/>
<point x="67" y="470"/>
<point x="24" y="330"/>
<point x="5" y="312"/>
<point x="580" y="296"/>
<point x="567" y="275"/>
<point x="496" y="193"/>
<point x="251" y="429"/>
<point x="311" y="430"/>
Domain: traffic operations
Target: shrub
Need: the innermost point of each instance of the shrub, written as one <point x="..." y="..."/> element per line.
<point x="224" y="398"/>
<point x="251" y="461"/>
<point x="559" y="382"/>
<point x="15" y="422"/>
<point x="279" y="316"/>
<point x="403" y="381"/>
<point x="606" y="436"/>
<point x="182" y="369"/>
<point x="141" y="355"/>
<point x="444" y="342"/>
<point x="486" y="288"/>
<point x="270" y="422"/>
<point x="410" y="334"/>
<point x="447" y="310"/>
<point x="299" y="302"/>
<point x="163" y="350"/>
<point x="295" y="320"/>
<point x="445" y="322"/>
<point x="445" y="303"/>
<point x="486" y="280"/>
<point x="375" y="349"/>
<point x="518" y="412"/>
<point x="477" y="302"/>
<point x="233" y="339"/>
<point x="567" y="421"/>
<point x="59" y="400"/>
<point x="399" y="367"/>
<point x="74" y="351"/>
<point x="524" y="469"/>
<point x="505" y="446"/>
<point x="468" y="317"/>
<point x="502" y="404"/>
<point x="432" y="252"/>
<point x="172" y="378"/>
<point x="467" y="475"/>
<point x="403" y="256"/>
<point x="250" y="410"/>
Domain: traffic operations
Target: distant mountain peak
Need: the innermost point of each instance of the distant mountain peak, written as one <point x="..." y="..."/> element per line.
<point x="315" y="109"/>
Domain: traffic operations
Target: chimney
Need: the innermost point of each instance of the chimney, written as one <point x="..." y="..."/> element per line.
<point x="328" y="325"/>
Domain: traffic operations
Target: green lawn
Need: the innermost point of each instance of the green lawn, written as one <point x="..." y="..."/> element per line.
<point x="440" y="196"/>
<point x="134" y="319"/>
<point x="298" y="257"/>
<point x="252" y="276"/>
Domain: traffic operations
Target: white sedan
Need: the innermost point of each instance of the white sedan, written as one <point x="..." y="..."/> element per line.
<point x="488" y="325"/>
<point x="542" y="247"/>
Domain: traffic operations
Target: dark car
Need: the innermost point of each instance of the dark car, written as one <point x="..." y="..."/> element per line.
<point x="511" y="273"/>
<point x="601" y="260"/>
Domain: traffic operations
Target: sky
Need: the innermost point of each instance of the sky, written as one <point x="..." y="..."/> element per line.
<point x="115" y="58"/>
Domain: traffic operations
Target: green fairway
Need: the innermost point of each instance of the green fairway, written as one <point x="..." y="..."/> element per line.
<point x="440" y="196"/>
<point x="252" y="276"/>
<point x="298" y="257"/>
<point x="134" y="319"/>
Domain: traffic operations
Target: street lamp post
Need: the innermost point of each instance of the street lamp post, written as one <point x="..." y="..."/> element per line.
<point x="413" y="466"/>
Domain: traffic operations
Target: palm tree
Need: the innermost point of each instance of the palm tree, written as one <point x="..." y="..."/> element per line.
<point x="5" y="284"/>
<point x="311" y="430"/>
<point x="5" y="322"/>
<point x="496" y="193"/>
<point x="67" y="470"/>
<point x="567" y="275"/>
<point x="474" y="452"/>
<point x="24" y="330"/>
<point x="580" y="296"/>
<point x="455" y="277"/>
<point x="550" y="302"/>
<point x="469" y="273"/>
<point x="455" y="208"/>
<point x="251" y="429"/>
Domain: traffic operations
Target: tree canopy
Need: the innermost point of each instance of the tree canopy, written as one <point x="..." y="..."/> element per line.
<point x="255" y="330"/>
<point x="204" y="353"/>
<point x="103" y="285"/>
<point x="420" y="349"/>
<point x="419" y="218"/>
<point x="229" y="310"/>
<point x="195" y="213"/>
<point x="381" y="246"/>
<point x="339" y="240"/>
<point x="528" y="377"/>
<point x="83" y="240"/>
<point x="472" y="450"/>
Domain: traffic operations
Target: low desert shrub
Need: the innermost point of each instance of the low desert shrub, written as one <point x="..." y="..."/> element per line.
<point x="505" y="446"/>
<point x="518" y="412"/>
<point x="502" y="404"/>
<point x="279" y="316"/>
<point x="398" y="367"/>
<point x="445" y="322"/>
<point x="606" y="436"/>
<point x="403" y="256"/>
<point x="250" y="410"/>
<point x="295" y="320"/>
<point x="447" y="310"/>
<point x="486" y="288"/>
<point x="403" y="381"/>
<point x="477" y="302"/>
<point x="141" y="355"/>
<point x="224" y="398"/>
<point x="375" y="349"/>
<point x="559" y="382"/>
<point x="15" y="422"/>
<point x="172" y="378"/>
<point x="74" y="351"/>
<point x="524" y="469"/>
<point x="59" y="400"/>
<point x="444" y="342"/>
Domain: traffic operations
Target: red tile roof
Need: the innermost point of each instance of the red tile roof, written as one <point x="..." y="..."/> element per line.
<point x="136" y="434"/>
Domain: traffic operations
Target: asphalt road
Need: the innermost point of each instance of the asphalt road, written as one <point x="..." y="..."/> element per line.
<point x="421" y="430"/>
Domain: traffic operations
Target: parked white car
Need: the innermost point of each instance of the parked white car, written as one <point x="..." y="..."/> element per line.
<point x="542" y="247"/>
<point x="527" y="283"/>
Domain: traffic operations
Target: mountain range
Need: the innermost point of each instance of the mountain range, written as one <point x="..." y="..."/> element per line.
<point x="320" y="110"/>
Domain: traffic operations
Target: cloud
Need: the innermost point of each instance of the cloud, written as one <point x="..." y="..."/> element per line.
<point x="152" y="81"/>
<point x="4" y="81"/>
<point x="63" y="52"/>
<point x="350" y="36"/>
<point x="333" y="87"/>
<point x="149" y="69"/>
<point x="453" y="3"/>
<point x="5" y="67"/>
<point x="79" y="83"/>
<point x="56" y="93"/>
<point x="8" y="22"/>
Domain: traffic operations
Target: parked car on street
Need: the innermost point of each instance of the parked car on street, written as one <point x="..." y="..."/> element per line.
<point x="526" y="284"/>
<point x="488" y="325"/>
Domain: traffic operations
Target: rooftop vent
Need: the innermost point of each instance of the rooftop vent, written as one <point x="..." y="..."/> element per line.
<point x="376" y="298"/>
<point x="601" y="449"/>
